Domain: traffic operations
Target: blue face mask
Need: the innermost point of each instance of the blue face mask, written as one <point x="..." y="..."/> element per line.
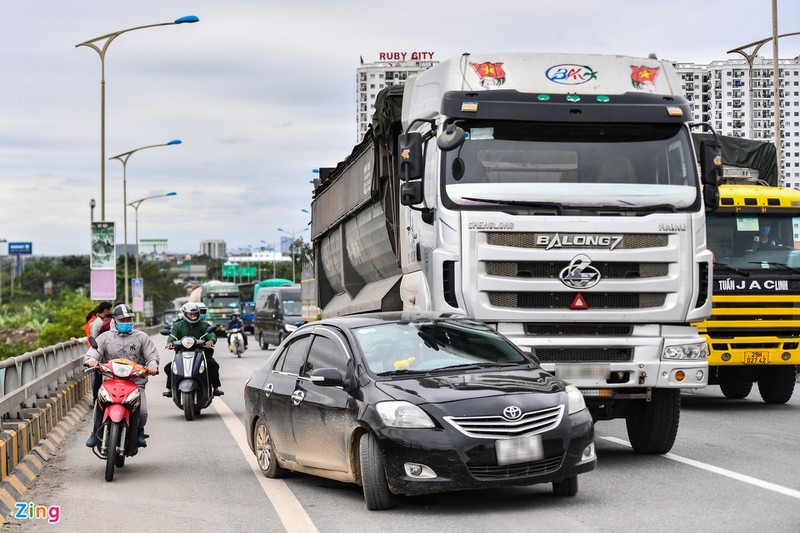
<point x="124" y="327"/>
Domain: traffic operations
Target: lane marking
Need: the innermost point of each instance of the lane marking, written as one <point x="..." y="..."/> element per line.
<point x="293" y="517"/>
<point x="721" y="471"/>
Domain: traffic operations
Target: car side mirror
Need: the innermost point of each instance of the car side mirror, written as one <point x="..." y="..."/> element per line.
<point x="327" y="377"/>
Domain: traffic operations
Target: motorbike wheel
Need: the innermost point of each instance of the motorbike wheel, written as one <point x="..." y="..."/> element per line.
<point x="238" y="348"/>
<point x="188" y="408"/>
<point x="112" y="448"/>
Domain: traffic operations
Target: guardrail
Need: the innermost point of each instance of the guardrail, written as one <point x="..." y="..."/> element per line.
<point x="37" y="390"/>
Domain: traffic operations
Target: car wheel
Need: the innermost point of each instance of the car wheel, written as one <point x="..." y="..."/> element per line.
<point x="777" y="384"/>
<point x="265" y="452"/>
<point x="736" y="390"/>
<point x="566" y="487"/>
<point x="373" y="474"/>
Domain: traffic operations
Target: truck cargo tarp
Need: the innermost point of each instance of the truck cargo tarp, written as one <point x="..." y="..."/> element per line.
<point x="746" y="153"/>
<point x="388" y="108"/>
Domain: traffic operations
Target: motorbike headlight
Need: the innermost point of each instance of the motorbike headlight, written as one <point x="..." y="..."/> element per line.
<point x="696" y="350"/>
<point x="403" y="415"/>
<point x="187" y="342"/>
<point x="132" y="398"/>
<point x="574" y="399"/>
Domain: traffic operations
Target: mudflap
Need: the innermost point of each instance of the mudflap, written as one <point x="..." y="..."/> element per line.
<point x="117" y="413"/>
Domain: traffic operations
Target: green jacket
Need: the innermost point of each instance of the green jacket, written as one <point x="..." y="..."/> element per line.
<point x="182" y="328"/>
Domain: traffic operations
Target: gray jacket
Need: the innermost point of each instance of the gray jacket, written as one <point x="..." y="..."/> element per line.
<point x="136" y="346"/>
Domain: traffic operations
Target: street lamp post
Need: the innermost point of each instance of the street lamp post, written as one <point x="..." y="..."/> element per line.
<point x="291" y="246"/>
<point x="749" y="58"/>
<point x="101" y="48"/>
<point x="135" y="205"/>
<point x="123" y="158"/>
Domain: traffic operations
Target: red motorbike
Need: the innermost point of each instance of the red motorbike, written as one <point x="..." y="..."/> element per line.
<point x="118" y="401"/>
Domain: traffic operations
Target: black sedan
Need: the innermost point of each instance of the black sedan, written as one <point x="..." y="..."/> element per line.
<point x="415" y="403"/>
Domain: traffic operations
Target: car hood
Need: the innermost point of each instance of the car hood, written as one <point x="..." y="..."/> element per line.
<point x="439" y="387"/>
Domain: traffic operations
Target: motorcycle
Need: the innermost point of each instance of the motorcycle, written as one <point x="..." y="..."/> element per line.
<point x="191" y="386"/>
<point x="236" y="341"/>
<point x="118" y="399"/>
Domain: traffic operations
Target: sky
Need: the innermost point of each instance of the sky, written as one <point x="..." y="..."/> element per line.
<point x="260" y="93"/>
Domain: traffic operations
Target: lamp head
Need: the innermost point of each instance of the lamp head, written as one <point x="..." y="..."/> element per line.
<point x="174" y="141"/>
<point x="188" y="19"/>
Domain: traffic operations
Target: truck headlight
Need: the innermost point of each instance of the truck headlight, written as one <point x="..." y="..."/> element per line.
<point x="695" y="350"/>
<point x="403" y="415"/>
<point x="574" y="399"/>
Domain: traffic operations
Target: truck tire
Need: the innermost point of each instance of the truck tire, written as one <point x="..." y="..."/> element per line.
<point x="653" y="426"/>
<point x="261" y="344"/>
<point x="776" y="384"/>
<point x="736" y="390"/>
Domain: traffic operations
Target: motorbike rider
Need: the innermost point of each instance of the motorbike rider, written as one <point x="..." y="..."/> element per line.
<point x="237" y="323"/>
<point x="192" y="326"/>
<point x="122" y="340"/>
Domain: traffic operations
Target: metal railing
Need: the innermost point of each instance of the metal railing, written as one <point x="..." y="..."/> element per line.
<point x="26" y="378"/>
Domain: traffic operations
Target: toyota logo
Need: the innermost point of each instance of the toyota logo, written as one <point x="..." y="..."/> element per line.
<point x="580" y="274"/>
<point x="512" y="413"/>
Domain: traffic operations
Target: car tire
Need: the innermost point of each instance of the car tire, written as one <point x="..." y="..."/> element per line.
<point x="373" y="474"/>
<point x="776" y="385"/>
<point x="736" y="390"/>
<point x="566" y="487"/>
<point x="652" y="426"/>
<point x="264" y="449"/>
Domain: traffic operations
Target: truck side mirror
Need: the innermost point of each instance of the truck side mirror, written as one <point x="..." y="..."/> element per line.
<point x="409" y="154"/>
<point x="710" y="172"/>
<point x="411" y="193"/>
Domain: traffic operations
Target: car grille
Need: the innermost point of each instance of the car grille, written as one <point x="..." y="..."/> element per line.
<point x="513" y="471"/>
<point x="498" y="427"/>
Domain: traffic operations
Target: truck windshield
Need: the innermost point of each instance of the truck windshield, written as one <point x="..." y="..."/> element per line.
<point x="753" y="241"/>
<point x="591" y="165"/>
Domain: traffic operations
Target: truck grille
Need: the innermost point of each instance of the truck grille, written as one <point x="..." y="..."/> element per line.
<point x="528" y="240"/>
<point x="563" y="300"/>
<point x="550" y="270"/>
<point x="578" y="330"/>
<point x="498" y="427"/>
<point x="584" y="355"/>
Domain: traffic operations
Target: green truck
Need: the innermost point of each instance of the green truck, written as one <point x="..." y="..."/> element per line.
<point x="221" y="300"/>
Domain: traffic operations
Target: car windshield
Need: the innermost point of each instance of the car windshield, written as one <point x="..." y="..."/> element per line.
<point x="434" y="345"/>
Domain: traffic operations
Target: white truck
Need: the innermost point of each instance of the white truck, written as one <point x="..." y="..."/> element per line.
<point x="553" y="196"/>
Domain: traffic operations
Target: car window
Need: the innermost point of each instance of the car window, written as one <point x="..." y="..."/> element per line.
<point x="271" y="303"/>
<point x="293" y="356"/>
<point x="325" y="353"/>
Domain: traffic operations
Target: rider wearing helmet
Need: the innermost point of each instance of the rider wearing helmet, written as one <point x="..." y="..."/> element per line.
<point x="203" y="310"/>
<point x="193" y="326"/>
<point x="237" y="323"/>
<point x="123" y="340"/>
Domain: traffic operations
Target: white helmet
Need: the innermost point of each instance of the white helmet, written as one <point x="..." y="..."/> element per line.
<point x="192" y="309"/>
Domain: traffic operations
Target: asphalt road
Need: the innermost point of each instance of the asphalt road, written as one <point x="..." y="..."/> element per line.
<point x="734" y="467"/>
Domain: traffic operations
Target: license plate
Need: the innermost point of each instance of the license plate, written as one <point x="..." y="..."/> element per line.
<point x="756" y="358"/>
<point x="519" y="450"/>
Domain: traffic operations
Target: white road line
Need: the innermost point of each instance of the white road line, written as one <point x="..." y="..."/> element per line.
<point x="721" y="471"/>
<point x="293" y="517"/>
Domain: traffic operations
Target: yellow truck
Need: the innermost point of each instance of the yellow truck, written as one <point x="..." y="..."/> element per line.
<point x="753" y="332"/>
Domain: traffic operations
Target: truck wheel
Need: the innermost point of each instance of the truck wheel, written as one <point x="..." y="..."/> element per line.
<point x="653" y="426"/>
<point x="736" y="390"/>
<point x="776" y="384"/>
<point x="261" y="344"/>
<point x="566" y="487"/>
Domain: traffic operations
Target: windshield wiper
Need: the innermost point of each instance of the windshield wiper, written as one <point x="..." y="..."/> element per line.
<point x="558" y="208"/>
<point x="401" y="372"/>
<point x="780" y="265"/>
<point x="473" y="366"/>
<point x="732" y="269"/>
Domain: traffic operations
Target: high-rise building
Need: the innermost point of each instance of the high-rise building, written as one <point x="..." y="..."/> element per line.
<point x="213" y="248"/>
<point x="393" y="68"/>
<point x="720" y="94"/>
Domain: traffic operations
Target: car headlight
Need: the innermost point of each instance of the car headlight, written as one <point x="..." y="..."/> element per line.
<point x="290" y="327"/>
<point x="697" y="350"/>
<point x="574" y="399"/>
<point x="403" y="415"/>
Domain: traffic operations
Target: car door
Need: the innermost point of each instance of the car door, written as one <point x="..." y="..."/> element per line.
<point x="278" y="390"/>
<point x="324" y="417"/>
